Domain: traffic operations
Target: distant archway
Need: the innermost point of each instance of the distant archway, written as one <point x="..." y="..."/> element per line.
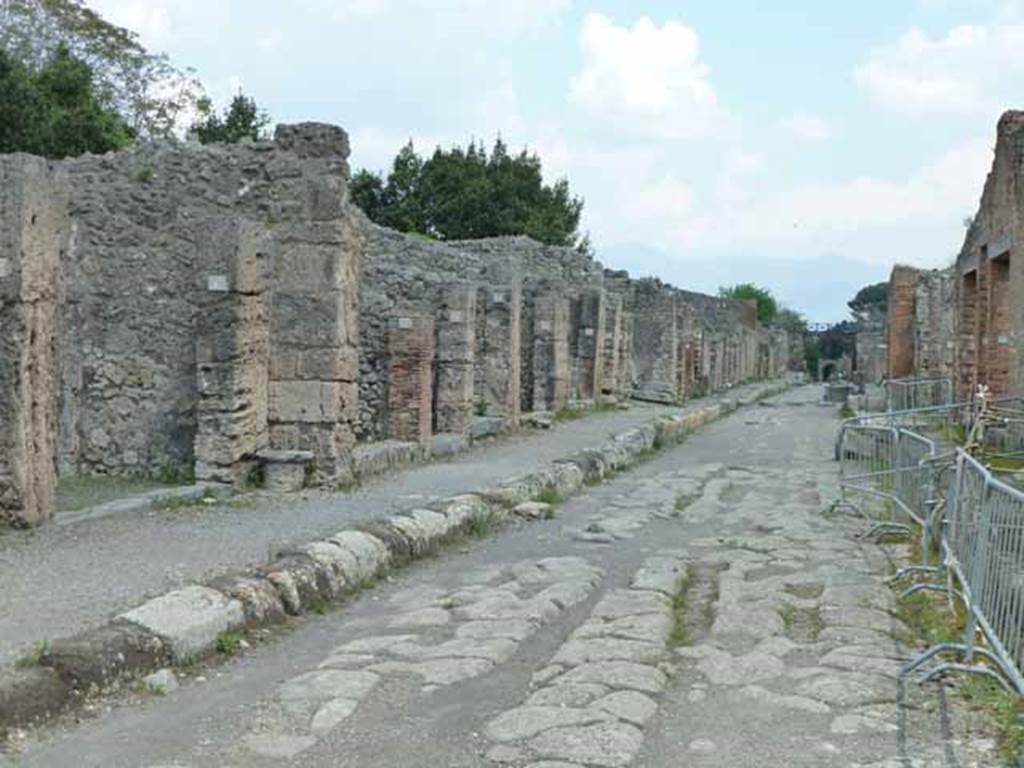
<point x="828" y="370"/>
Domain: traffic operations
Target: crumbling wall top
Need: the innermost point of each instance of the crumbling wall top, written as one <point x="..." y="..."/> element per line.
<point x="313" y="140"/>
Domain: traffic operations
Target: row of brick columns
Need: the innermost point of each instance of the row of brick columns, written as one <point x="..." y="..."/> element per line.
<point x="465" y="359"/>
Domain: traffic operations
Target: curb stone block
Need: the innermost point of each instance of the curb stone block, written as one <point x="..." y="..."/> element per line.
<point x="338" y="564"/>
<point x="591" y="464"/>
<point x="100" y="656"/>
<point x="398" y="545"/>
<point x="436" y="525"/>
<point x="259" y="598"/>
<point x="568" y="478"/>
<point x="462" y="509"/>
<point x="188" y="620"/>
<point x="413" y="532"/>
<point x="32" y="695"/>
<point x="297" y="581"/>
<point x="371" y="555"/>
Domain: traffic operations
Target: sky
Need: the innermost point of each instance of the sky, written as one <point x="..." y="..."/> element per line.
<point x="807" y="146"/>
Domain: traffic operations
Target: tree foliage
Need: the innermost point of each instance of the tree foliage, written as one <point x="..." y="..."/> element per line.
<point x="791" y="320"/>
<point x="767" y="306"/>
<point x="152" y="96"/>
<point x="871" y="298"/>
<point x="55" y="111"/>
<point x="467" y="193"/>
<point x="242" y="120"/>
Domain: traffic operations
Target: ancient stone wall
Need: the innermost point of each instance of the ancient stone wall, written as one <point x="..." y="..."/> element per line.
<point x="33" y="234"/>
<point x="226" y="305"/>
<point x="141" y="273"/>
<point x="989" y="275"/>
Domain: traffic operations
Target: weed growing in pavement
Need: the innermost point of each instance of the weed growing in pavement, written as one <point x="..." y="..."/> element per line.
<point x="679" y="634"/>
<point x="482" y="526"/>
<point x="34" y="656"/>
<point x="549" y="496"/>
<point x="318" y="605"/>
<point x="229" y="643"/>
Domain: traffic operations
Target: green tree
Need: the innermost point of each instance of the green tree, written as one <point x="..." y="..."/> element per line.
<point x="150" y="94"/>
<point x="767" y="306"/>
<point x="467" y="193"/>
<point x="242" y="120"/>
<point x="367" y="190"/>
<point x="871" y="298"/>
<point x="56" y="112"/>
<point x="791" y="320"/>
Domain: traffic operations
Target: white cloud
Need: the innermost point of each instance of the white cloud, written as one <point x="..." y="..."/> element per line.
<point x="647" y="76"/>
<point x="805" y="127"/>
<point x="665" y="199"/>
<point x="824" y="217"/>
<point x="485" y="15"/>
<point x="972" y="68"/>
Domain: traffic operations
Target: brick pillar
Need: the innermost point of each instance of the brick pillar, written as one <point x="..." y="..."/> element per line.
<point x="551" y="364"/>
<point x="232" y="353"/>
<point x="33" y="231"/>
<point x="590" y="343"/>
<point x="967" y="319"/>
<point x="454" y="372"/>
<point x="501" y="352"/>
<point x="410" y="378"/>
<point x="902" y="300"/>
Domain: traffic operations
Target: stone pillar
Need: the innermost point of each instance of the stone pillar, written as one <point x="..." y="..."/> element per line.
<point x="232" y="353"/>
<point x="501" y="352"/>
<point x="611" y="383"/>
<point x="314" y="365"/>
<point x="551" y="365"/>
<point x="33" y="232"/>
<point x="655" y="345"/>
<point x="454" y="372"/>
<point x="590" y="343"/>
<point x="410" y="378"/>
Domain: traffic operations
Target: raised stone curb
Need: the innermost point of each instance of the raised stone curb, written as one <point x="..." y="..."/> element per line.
<point x="184" y="625"/>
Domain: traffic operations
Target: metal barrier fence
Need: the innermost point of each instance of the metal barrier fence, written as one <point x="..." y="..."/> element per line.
<point x="907" y="394"/>
<point x="974" y="519"/>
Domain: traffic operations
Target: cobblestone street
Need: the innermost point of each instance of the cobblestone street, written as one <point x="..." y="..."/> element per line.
<point x="697" y="610"/>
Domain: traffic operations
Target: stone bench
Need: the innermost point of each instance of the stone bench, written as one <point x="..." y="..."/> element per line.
<point x="285" y="470"/>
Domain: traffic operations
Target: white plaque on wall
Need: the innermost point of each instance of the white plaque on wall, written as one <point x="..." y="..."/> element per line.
<point x="217" y="283"/>
<point x="405" y="323"/>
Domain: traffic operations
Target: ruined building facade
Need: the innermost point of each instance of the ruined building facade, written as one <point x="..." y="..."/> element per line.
<point x="181" y="309"/>
<point x="966" y="323"/>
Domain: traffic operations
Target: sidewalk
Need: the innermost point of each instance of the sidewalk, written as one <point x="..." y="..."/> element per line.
<point x="60" y="579"/>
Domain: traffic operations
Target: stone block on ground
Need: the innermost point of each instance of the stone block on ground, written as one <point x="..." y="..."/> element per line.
<point x="188" y="620"/>
<point x="99" y="656"/>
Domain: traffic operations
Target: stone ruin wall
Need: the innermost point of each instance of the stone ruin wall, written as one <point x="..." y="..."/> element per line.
<point x="989" y="275"/>
<point x="967" y="322"/>
<point x="183" y="308"/>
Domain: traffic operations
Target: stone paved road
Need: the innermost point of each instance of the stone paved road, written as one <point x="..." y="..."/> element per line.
<point x="696" y="611"/>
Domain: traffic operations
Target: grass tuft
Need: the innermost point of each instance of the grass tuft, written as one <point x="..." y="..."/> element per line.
<point x="33" y="657"/>
<point x="229" y="643"/>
